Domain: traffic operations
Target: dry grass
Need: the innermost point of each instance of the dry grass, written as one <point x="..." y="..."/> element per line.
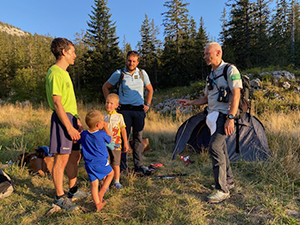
<point x="265" y="191"/>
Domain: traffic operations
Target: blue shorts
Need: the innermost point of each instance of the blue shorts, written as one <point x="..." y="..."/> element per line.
<point x="60" y="140"/>
<point x="96" y="171"/>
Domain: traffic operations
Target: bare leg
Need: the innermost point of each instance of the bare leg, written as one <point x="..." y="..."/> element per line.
<point x="95" y="196"/>
<point x="105" y="185"/>
<point x="117" y="173"/>
<point x="72" y="167"/>
<point x="59" y="166"/>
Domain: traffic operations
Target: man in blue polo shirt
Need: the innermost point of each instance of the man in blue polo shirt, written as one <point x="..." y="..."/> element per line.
<point x="133" y="107"/>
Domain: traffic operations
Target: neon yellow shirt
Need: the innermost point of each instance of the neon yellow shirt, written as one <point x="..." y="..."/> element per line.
<point x="58" y="82"/>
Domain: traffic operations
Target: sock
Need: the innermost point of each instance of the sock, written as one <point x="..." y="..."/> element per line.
<point x="73" y="189"/>
<point x="59" y="197"/>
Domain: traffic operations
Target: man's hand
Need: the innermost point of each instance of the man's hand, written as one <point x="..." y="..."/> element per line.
<point x="229" y="126"/>
<point x="146" y="108"/>
<point x="184" y="102"/>
<point x="62" y="115"/>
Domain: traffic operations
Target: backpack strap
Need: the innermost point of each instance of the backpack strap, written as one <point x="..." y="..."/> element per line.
<point x="142" y="77"/>
<point x="119" y="83"/>
<point x="141" y="74"/>
<point x="237" y="136"/>
<point x="237" y="125"/>
<point x="225" y="70"/>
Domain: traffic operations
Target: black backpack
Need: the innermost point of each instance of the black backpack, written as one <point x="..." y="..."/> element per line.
<point x="244" y="104"/>
<point x="6" y="187"/>
<point x="245" y="101"/>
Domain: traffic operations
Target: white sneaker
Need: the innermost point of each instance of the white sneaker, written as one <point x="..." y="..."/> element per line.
<point x="218" y="196"/>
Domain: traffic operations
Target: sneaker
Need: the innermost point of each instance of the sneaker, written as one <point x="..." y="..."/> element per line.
<point x="77" y="195"/>
<point x="143" y="170"/>
<point x="218" y="196"/>
<point x="118" y="185"/>
<point x="230" y="186"/>
<point x="65" y="203"/>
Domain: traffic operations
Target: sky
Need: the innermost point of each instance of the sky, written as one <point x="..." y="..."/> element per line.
<point x="65" y="18"/>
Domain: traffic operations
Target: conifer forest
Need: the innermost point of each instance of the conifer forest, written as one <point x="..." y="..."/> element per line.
<point x="255" y="33"/>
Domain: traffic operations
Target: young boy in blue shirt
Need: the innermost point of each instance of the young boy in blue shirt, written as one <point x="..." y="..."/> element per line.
<point x="95" y="155"/>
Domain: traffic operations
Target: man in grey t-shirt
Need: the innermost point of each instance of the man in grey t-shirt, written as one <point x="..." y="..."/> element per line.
<point x="220" y="118"/>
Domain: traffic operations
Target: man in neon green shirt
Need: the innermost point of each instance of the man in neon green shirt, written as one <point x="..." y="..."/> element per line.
<point x="65" y="124"/>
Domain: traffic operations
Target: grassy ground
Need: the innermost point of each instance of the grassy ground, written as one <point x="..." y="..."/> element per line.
<point x="265" y="193"/>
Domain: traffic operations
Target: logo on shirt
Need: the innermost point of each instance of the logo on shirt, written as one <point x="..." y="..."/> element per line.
<point x="235" y="77"/>
<point x="68" y="84"/>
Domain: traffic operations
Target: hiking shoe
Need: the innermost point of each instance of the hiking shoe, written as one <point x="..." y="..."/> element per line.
<point x="143" y="170"/>
<point x="77" y="195"/>
<point x="230" y="186"/>
<point x="118" y="185"/>
<point x="218" y="196"/>
<point x="65" y="203"/>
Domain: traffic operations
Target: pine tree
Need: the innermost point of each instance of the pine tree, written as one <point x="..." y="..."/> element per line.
<point x="174" y="57"/>
<point x="104" y="55"/>
<point x="148" y="48"/>
<point x="239" y="33"/>
<point x="280" y="35"/>
<point x="201" y="41"/>
<point x="260" y="43"/>
<point x="126" y="48"/>
<point x="297" y="34"/>
<point x="176" y="22"/>
<point x="77" y="71"/>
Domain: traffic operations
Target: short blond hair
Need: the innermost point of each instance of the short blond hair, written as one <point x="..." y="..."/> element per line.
<point x="93" y="117"/>
<point x="113" y="96"/>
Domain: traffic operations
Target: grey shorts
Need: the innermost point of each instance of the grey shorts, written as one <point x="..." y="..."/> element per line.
<point x="60" y="140"/>
<point x="114" y="157"/>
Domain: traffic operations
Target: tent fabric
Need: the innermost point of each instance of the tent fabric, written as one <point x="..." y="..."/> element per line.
<point x="253" y="145"/>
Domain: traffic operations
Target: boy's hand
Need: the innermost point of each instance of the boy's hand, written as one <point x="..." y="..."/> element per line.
<point x="105" y="128"/>
<point x="80" y="129"/>
<point x="125" y="147"/>
<point x="105" y="125"/>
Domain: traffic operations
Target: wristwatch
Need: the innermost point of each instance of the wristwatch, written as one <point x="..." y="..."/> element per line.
<point x="147" y="104"/>
<point x="230" y="116"/>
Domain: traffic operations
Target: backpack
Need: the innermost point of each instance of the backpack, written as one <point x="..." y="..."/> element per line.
<point x="119" y="83"/>
<point x="245" y="101"/>
<point x="6" y="187"/>
<point x="244" y="104"/>
<point x="40" y="162"/>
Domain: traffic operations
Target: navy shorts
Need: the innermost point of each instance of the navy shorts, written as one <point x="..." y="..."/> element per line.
<point x="96" y="171"/>
<point x="60" y="140"/>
